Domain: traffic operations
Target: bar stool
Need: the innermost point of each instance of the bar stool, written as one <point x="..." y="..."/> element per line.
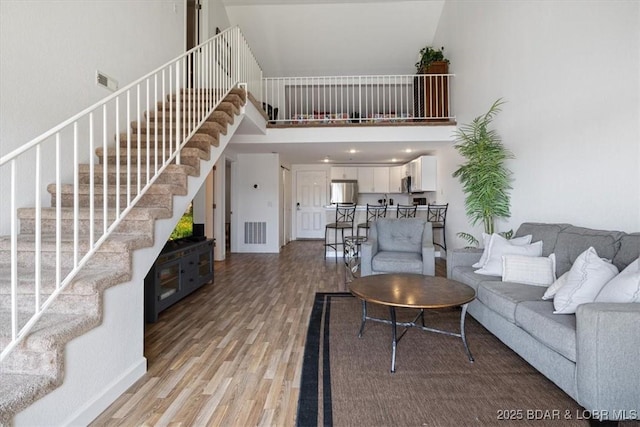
<point x="345" y="214"/>
<point x="406" y="211"/>
<point x="373" y="212"/>
<point x="437" y="216"/>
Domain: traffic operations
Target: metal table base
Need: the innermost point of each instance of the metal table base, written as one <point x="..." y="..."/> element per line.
<point x="394" y="324"/>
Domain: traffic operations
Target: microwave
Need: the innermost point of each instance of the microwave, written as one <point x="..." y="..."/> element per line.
<point x="406" y="184"/>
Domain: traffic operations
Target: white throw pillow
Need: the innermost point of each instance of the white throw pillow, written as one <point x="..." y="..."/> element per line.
<point x="553" y="289"/>
<point x="486" y="239"/>
<point x="537" y="271"/>
<point x="625" y="287"/>
<point x="498" y="247"/>
<point x="588" y="274"/>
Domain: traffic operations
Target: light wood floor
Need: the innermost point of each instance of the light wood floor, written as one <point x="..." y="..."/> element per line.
<point x="231" y="353"/>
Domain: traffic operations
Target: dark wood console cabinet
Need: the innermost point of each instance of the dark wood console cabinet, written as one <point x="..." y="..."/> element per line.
<point x="182" y="267"/>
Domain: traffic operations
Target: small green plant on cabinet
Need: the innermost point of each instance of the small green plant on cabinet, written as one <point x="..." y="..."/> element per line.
<point x="427" y="56"/>
<point x="485" y="179"/>
<point x="184" y="228"/>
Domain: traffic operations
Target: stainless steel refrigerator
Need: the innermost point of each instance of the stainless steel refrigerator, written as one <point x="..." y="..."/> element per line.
<point x="344" y="191"/>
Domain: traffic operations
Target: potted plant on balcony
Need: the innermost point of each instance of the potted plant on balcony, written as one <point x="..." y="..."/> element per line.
<point x="432" y="61"/>
<point x="431" y="93"/>
<point x="484" y="177"/>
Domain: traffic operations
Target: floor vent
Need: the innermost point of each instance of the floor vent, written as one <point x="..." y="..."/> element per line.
<point x="255" y="232"/>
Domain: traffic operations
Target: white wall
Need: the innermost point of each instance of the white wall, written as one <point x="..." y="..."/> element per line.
<point x="570" y="73"/>
<point x="257" y="204"/>
<point x="49" y="54"/>
<point x="334" y="38"/>
<point x="216" y="16"/>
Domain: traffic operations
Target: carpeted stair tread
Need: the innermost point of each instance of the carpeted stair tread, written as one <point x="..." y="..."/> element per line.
<point x="220" y="117"/>
<point x="115" y="243"/>
<point x="98" y="189"/>
<point x="117" y="248"/>
<point x="50" y="331"/>
<point x="237" y="98"/>
<point x="188" y="93"/>
<point x="211" y="127"/>
<point x="139" y="220"/>
<point x="173" y="173"/>
<point x="200" y="137"/>
<point x="165" y="117"/>
<point x="18" y="391"/>
<point x="84" y="213"/>
<point x="170" y="106"/>
<point x="151" y="152"/>
<point x="87" y="281"/>
<point x="214" y="127"/>
<point x="230" y="108"/>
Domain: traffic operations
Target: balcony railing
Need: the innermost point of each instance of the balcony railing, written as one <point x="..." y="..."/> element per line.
<point x="358" y="99"/>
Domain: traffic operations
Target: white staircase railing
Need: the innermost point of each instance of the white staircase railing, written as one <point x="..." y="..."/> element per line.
<point x="196" y="82"/>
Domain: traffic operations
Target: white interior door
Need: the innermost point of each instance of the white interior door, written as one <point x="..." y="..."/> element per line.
<point x="287" y="205"/>
<point x="311" y="198"/>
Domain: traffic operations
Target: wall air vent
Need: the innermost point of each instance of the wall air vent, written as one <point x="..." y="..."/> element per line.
<point x="255" y="232"/>
<point x="105" y="81"/>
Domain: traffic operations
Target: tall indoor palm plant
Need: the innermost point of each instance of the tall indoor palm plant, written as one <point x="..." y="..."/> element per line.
<point x="484" y="177"/>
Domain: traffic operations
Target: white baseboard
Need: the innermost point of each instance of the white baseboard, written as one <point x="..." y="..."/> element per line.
<point x="90" y="411"/>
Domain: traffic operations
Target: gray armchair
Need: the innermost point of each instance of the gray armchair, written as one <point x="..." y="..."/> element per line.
<point x="398" y="245"/>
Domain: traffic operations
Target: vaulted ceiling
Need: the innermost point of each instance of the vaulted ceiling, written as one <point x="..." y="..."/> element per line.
<point x="312" y="37"/>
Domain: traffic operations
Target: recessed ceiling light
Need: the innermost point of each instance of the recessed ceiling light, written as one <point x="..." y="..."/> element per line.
<point x="408" y="150"/>
<point x="394" y="160"/>
<point x="353" y="150"/>
<point x="326" y="160"/>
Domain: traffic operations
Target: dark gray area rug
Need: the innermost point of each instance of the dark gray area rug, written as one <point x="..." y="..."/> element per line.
<point x="346" y="380"/>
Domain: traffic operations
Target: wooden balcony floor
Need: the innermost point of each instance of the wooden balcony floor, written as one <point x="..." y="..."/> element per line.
<point x="312" y="124"/>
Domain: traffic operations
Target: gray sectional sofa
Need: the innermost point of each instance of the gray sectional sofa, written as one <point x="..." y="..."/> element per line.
<point x="594" y="355"/>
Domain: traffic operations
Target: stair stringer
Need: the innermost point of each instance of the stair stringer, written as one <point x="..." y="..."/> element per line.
<point x="104" y="362"/>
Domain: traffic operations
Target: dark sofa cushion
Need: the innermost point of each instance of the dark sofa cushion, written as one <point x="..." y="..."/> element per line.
<point x="572" y="241"/>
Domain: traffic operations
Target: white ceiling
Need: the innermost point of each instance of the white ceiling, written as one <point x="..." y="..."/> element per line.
<point x="340" y="153"/>
<point x="381" y="150"/>
<point x="331" y="38"/>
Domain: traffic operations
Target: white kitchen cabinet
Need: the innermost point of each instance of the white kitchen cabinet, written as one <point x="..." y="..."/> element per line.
<point x="344" y="172"/>
<point x="381" y="179"/>
<point x="411" y="169"/>
<point x="396" y="173"/>
<point x="424" y="174"/>
<point x="365" y="180"/>
<point x="373" y="179"/>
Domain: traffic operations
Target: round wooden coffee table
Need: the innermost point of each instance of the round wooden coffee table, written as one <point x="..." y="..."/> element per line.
<point x="412" y="291"/>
